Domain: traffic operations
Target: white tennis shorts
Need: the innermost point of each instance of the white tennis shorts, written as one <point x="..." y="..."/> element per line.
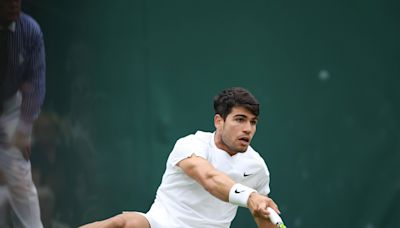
<point x="157" y="217"/>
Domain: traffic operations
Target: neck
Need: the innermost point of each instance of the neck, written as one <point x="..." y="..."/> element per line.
<point x="219" y="143"/>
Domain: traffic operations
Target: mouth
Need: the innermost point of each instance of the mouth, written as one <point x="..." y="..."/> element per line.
<point x="244" y="140"/>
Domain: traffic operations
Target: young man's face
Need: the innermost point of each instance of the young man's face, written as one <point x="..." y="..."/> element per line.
<point x="9" y="10"/>
<point x="234" y="134"/>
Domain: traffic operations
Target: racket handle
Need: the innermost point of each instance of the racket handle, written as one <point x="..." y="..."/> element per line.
<point x="274" y="217"/>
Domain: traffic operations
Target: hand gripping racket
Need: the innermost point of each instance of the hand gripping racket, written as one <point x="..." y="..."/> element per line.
<point x="275" y="218"/>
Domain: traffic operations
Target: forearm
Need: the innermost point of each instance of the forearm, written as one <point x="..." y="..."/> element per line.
<point x="215" y="182"/>
<point x="218" y="184"/>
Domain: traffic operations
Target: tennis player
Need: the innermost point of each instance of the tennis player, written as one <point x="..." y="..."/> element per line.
<point x="208" y="175"/>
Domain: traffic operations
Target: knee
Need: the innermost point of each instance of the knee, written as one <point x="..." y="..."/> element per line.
<point x="119" y="222"/>
<point x="128" y="220"/>
<point x="135" y="220"/>
<point x="122" y="222"/>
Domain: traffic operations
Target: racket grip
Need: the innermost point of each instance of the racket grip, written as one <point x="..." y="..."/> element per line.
<point x="274" y="217"/>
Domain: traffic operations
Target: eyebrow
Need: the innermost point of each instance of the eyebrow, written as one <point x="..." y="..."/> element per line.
<point x="242" y="115"/>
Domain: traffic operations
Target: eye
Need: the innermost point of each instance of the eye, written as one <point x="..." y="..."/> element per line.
<point x="253" y="122"/>
<point x="240" y="119"/>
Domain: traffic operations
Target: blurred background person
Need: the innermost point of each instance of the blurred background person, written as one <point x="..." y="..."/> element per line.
<point x="62" y="187"/>
<point x="47" y="203"/>
<point x="22" y="91"/>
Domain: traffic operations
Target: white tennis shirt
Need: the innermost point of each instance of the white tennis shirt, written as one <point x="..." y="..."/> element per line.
<point x="182" y="202"/>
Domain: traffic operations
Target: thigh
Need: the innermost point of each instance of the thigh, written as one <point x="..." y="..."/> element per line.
<point x="124" y="220"/>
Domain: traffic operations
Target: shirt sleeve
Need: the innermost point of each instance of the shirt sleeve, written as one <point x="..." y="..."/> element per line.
<point x="263" y="187"/>
<point x="186" y="147"/>
<point x="33" y="87"/>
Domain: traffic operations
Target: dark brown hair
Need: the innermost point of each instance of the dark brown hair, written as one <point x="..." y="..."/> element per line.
<point x="233" y="97"/>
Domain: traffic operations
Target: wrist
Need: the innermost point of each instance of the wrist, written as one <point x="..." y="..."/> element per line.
<point x="239" y="194"/>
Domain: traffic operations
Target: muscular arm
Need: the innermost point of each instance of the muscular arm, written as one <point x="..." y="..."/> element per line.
<point x="219" y="184"/>
<point x="215" y="182"/>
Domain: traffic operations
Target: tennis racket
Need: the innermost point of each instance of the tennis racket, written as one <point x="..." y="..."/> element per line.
<point x="275" y="218"/>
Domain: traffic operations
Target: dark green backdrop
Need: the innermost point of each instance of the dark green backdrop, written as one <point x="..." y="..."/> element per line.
<point x="136" y="75"/>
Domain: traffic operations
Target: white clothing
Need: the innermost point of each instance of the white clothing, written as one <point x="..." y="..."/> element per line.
<point x="22" y="193"/>
<point x="182" y="202"/>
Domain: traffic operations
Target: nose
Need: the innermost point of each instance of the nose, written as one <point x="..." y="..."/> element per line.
<point x="247" y="128"/>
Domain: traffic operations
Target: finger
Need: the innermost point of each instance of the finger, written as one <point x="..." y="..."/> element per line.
<point x="262" y="210"/>
<point x="273" y="205"/>
<point x="275" y="208"/>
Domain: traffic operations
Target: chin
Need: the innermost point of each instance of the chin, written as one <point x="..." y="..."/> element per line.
<point x="242" y="150"/>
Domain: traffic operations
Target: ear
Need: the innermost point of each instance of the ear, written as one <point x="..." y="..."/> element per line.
<point x="218" y="121"/>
